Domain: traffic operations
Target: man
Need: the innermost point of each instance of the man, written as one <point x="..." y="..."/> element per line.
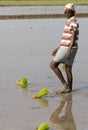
<point x="66" y="51"/>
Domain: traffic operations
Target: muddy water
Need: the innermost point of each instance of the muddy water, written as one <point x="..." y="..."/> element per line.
<point x="25" y="50"/>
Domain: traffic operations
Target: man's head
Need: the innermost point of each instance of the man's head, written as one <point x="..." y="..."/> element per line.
<point x="69" y="10"/>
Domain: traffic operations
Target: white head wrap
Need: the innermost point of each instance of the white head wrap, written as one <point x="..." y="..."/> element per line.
<point x="69" y="7"/>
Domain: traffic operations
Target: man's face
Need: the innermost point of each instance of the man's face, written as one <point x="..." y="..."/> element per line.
<point x="68" y="14"/>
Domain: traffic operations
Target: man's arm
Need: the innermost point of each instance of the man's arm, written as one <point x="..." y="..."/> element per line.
<point x="55" y="51"/>
<point x="68" y="54"/>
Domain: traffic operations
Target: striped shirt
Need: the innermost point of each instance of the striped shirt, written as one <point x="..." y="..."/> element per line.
<point x="71" y="24"/>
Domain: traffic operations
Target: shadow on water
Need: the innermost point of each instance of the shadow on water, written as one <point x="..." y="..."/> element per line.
<point x="64" y="121"/>
<point x="80" y="89"/>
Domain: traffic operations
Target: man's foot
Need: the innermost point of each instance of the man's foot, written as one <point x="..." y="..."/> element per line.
<point x="69" y="89"/>
<point x="62" y="90"/>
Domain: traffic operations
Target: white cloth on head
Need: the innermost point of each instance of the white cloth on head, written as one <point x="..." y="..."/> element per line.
<point x="69" y="6"/>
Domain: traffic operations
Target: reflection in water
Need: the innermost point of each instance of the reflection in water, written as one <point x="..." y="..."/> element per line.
<point x="65" y="121"/>
<point x="24" y="89"/>
<point x="43" y="102"/>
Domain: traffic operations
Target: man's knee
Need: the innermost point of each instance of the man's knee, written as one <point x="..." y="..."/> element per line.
<point x="69" y="70"/>
<point x="53" y="65"/>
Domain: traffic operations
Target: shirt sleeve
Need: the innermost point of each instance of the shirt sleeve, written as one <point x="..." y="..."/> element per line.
<point x="73" y="25"/>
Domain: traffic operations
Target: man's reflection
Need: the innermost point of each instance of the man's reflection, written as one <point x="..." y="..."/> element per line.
<point x="64" y="121"/>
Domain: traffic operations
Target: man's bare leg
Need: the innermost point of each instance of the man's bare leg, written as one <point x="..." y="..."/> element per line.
<point x="69" y="76"/>
<point x="54" y="67"/>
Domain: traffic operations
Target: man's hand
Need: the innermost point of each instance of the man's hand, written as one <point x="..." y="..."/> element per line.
<point x="54" y="52"/>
